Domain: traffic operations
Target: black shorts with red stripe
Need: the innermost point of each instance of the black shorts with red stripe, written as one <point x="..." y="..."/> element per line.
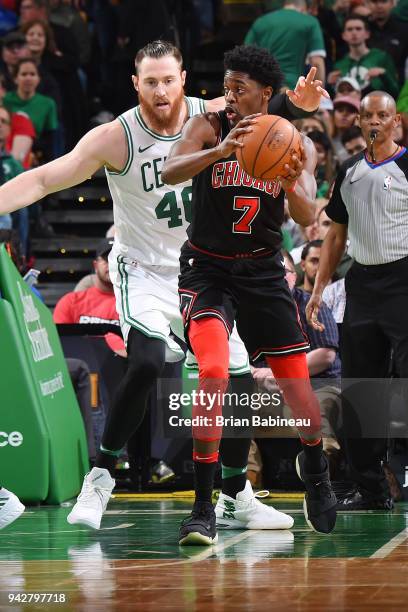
<point x="248" y="288"/>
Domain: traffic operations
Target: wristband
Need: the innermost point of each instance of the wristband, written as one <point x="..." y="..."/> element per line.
<point x="292" y="189"/>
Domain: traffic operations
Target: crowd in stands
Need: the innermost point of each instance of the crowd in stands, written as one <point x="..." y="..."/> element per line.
<point x="65" y="66"/>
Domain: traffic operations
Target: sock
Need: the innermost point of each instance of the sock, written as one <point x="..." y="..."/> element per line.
<point x="315" y="461"/>
<point x="233" y="480"/>
<point x="204" y="480"/>
<point x="292" y="375"/>
<point x="234" y="458"/>
<point x="107" y="459"/>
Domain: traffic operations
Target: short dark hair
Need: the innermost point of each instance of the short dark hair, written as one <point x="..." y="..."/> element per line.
<point x="350" y="134"/>
<point x="24" y="60"/>
<point x="158" y="49"/>
<point x="354" y="17"/>
<point x="257" y="63"/>
<point x="310" y="245"/>
<point x="320" y="138"/>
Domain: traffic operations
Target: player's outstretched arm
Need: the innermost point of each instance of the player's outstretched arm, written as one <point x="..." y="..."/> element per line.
<point x="91" y="153"/>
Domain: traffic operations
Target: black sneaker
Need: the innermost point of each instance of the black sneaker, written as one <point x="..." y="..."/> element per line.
<point x="198" y="529"/>
<point x="363" y="501"/>
<point x="319" y="504"/>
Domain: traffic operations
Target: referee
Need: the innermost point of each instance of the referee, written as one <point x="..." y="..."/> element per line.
<point x="370" y="205"/>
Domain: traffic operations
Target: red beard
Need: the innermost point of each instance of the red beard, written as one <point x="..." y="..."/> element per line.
<point x="161" y="119"/>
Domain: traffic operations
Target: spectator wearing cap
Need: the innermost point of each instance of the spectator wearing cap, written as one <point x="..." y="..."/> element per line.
<point x="13" y="48"/>
<point x="353" y="140"/>
<point x="346" y="109"/>
<point x="373" y="68"/>
<point x="348" y="86"/>
<point x="388" y="33"/>
<point x="95" y="304"/>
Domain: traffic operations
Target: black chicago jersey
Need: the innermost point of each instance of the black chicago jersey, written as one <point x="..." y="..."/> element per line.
<point x="232" y="266"/>
<point x="233" y="212"/>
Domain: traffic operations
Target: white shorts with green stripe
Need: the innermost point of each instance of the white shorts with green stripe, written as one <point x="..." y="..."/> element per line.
<point x="147" y="299"/>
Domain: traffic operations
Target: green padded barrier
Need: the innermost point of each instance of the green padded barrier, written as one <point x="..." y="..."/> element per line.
<point x="50" y="384"/>
<point x="24" y="439"/>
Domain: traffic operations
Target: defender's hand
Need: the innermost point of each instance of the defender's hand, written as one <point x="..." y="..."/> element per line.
<point x="308" y="92"/>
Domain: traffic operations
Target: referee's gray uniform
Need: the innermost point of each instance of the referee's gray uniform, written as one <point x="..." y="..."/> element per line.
<point x="372" y="200"/>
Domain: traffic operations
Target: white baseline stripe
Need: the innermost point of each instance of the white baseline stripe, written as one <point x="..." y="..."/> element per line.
<point x="385" y="550"/>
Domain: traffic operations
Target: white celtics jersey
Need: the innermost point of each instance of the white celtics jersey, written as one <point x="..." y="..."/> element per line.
<point x="150" y="218"/>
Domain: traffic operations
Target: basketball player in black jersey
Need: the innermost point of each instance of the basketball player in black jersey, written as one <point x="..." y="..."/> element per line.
<point x="232" y="270"/>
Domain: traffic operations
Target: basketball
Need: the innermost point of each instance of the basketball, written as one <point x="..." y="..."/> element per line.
<point x="269" y="147"/>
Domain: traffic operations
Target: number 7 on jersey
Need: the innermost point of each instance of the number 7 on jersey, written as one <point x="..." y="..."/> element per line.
<point x="250" y="206"/>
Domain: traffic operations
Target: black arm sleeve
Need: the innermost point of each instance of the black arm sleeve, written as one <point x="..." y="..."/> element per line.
<point x="336" y="209"/>
<point x="282" y="106"/>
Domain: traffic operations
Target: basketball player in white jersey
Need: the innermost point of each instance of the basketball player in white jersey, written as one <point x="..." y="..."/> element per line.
<point x="150" y="220"/>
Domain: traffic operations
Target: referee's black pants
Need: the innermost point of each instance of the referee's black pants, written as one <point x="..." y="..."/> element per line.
<point x="375" y="327"/>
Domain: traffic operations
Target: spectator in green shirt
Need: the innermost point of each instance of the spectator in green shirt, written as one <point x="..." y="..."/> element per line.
<point x="293" y="37"/>
<point x="372" y="68"/>
<point x="42" y="110"/>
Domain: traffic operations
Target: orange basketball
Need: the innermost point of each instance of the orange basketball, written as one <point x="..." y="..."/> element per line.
<point x="269" y="147"/>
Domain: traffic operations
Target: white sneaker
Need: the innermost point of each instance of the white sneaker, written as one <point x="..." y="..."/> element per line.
<point x="93" y="499"/>
<point x="10" y="507"/>
<point x="247" y="512"/>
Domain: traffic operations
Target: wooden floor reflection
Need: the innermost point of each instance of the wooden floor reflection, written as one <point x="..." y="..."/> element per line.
<point x="134" y="563"/>
<point x="211" y="585"/>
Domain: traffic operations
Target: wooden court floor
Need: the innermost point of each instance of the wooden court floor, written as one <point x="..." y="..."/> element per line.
<point x="134" y="563"/>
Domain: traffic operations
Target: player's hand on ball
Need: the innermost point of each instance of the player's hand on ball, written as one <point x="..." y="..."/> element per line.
<point x="292" y="171"/>
<point x="312" y="312"/>
<point x="232" y="142"/>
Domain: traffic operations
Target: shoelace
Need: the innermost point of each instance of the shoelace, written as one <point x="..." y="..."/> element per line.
<point x="258" y="495"/>
<point x="261" y="494"/>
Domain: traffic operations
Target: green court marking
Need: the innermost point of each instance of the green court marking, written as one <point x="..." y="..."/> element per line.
<point x="148" y="530"/>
